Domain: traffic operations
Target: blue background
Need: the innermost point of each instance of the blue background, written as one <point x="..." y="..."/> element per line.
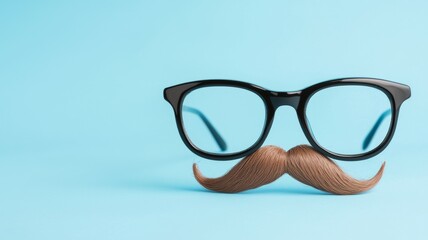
<point x="89" y="149"/>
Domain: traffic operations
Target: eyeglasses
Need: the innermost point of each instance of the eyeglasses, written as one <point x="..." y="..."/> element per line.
<point x="346" y="119"/>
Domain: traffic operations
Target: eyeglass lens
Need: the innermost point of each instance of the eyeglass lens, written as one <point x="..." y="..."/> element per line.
<point x="342" y="119"/>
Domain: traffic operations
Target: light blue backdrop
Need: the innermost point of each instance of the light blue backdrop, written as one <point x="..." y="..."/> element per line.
<point x="89" y="149"/>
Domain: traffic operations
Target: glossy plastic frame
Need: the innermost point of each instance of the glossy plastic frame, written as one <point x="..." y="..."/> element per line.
<point x="396" y="92"/>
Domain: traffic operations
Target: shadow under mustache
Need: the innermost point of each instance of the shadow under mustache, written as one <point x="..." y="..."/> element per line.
<point x="302" y="162"/>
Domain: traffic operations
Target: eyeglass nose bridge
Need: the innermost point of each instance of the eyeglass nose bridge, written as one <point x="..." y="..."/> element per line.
<point x="291" y="99"/>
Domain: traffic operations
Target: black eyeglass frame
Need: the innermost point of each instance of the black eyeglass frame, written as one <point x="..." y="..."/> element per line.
<point x="397" y="93"/>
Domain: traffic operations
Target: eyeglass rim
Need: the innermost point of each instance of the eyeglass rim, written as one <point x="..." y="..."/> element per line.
<point x="397" y="93"/>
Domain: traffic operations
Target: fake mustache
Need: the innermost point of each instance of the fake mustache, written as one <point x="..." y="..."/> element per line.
<point x="302" y="162"/>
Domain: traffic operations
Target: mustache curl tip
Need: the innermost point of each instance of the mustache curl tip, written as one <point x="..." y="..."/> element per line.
<point x="302" y="162"/>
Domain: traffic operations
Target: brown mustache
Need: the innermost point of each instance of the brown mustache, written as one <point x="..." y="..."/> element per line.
<point x="302" y="162"/>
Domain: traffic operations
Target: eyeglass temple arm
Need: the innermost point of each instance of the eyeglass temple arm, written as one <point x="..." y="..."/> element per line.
<point x="217" y="137"/>
<point x="375" y="127"/>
